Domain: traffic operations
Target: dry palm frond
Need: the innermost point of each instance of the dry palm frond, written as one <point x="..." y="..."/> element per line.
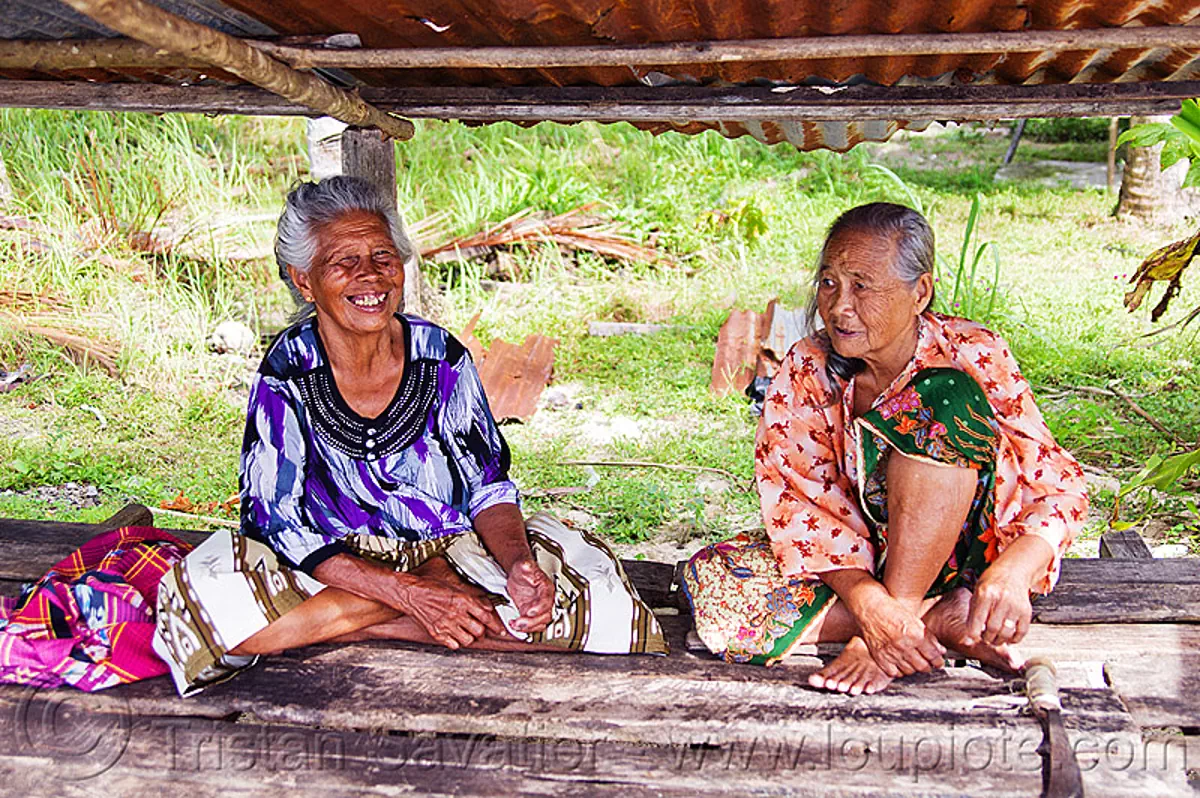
<point x="82" y="348"/>
<point x="29" y="302"/>
<point x="574" y="229"/>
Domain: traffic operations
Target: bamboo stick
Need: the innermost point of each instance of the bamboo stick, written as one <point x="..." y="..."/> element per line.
<point x="126" y="53"/>
<point x="70" y="54"/>
<point x="164" y="30"/>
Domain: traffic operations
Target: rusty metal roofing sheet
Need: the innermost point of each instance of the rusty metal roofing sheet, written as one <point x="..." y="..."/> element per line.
<point x="752" y="345"/>
<point x="441" y="23"/>
<point x="738" y="345"/>
<point x="514" y="376"/>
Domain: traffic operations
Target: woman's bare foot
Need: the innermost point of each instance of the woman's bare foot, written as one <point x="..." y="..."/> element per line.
<point x="948" y="622"/>
<point x="854" y="672"/>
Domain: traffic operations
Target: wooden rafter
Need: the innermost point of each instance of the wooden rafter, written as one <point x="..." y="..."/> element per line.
<point x="161" y="29"/>
<point x="638" y="104"/>
<point x="125" y="53"/>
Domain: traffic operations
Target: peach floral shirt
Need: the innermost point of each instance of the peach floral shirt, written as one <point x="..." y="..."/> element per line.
<point x="806" y="455"/>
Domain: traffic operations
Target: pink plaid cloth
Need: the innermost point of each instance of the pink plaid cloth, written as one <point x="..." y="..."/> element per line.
<point x="89" y="621"/>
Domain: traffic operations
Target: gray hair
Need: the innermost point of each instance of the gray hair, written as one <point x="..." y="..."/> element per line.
<point x="915" y="255"/>
<point x="310" y="205"/>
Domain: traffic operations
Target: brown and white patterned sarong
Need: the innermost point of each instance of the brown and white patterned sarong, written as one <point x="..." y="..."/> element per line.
<point x="231" y="587"/>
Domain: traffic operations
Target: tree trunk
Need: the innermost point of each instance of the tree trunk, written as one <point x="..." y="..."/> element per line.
<point x="1148" y="193"/>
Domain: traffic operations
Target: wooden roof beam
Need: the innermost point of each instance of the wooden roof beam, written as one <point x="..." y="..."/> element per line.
<point x="717" y="52"/>
<point x="638" y="104"/>
<point x="166" y="31"/>
<point x="124" y="53"/>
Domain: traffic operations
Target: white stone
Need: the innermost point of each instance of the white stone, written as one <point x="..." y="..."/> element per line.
<point x="233" y="336"/>
<point x="1164" y="550"/>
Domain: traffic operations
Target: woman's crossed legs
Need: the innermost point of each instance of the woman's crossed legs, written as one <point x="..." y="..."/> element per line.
<point x="889" y="627"/>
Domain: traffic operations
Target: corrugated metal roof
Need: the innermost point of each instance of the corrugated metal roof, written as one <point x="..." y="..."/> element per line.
<point x="443" y="23"/>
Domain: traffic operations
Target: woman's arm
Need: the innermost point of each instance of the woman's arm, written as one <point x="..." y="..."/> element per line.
<point x="453" y="617"/>
<point x="482" y="457"/>
<point x="501" y="527"/>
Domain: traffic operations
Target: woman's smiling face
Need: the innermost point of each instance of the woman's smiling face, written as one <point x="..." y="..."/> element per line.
<point x="356" y="279"/>
<point x="869" y="311"/>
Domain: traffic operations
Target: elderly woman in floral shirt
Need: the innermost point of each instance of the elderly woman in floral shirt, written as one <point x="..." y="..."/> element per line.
<point x="912" y="495"/>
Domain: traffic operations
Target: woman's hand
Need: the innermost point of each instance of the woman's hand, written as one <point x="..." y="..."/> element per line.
<point x="896" y="637"/>
<point x="451" y="615"/>
<point x="898" y="640"/>
<point x="1000" y="608"/>
<point x="533" y="593"/>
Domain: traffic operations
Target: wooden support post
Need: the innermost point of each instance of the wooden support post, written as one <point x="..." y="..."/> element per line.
<point x="1111" y="172"/>
<point x="1124" y="545"/>
<point x="367" y="154"/>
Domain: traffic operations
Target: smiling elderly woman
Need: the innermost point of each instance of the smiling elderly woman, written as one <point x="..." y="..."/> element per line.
<point x="375" y="494"/>
<point x="912" y="495"/>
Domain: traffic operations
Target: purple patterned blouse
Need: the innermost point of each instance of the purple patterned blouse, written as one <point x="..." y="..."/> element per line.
<point x="314" y="471"/>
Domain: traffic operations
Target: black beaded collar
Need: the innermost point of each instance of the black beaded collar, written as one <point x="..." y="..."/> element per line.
<point x="396" y="428"/>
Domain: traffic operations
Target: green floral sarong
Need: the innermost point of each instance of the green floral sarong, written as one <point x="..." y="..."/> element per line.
<point x="744" y="606"/>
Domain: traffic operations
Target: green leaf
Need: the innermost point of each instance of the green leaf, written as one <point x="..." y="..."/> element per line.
<point x="1175" y="148"/>
<point x="1147" y="135"/>
<point x="913" y="201"/>
<point x="1120" y="526"/>
<point x="1193" y="176"/>
<point x="1162" y="473"/>
<point x="1187" y="127"/>
<point x="1189" y="111"/>
<point x="18" y="465"/>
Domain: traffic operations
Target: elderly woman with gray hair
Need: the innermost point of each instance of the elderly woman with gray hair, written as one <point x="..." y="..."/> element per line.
<point x="911" y="493"/>
<point x="376" y="502"/>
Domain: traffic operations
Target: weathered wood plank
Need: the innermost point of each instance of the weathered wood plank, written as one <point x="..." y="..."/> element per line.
<point x="11" y="587"/>
<point x="670" y="700"/>
<point x="654" y="582"/>
<point x="141" y="756"/>
<point x="635" y="104"/>
<point x="107" y="742"/>
<point x="1125" y="590"/>
<point x="1092" y="571"/>
<point x="1089" y="591"/>
<point x="1154" y="668"/>
<point x="1124" y="545"/>
<point x="1119" y="603"/>
<point x="29" y="548"/>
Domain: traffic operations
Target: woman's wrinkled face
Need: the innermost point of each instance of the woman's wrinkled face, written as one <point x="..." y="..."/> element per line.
<point x="357" y="276"/>
<point x="869" y="312"/>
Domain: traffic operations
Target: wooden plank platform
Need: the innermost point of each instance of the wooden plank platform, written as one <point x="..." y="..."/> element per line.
<point x="395" y="717"/>
<point x="679" y="724"/>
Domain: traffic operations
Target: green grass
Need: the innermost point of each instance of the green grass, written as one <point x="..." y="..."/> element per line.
<point x="742" y="221"/>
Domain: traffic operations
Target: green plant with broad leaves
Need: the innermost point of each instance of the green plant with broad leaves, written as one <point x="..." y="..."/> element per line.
<point x="1162" y="473"/>
<point x="1180" y="139"/>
